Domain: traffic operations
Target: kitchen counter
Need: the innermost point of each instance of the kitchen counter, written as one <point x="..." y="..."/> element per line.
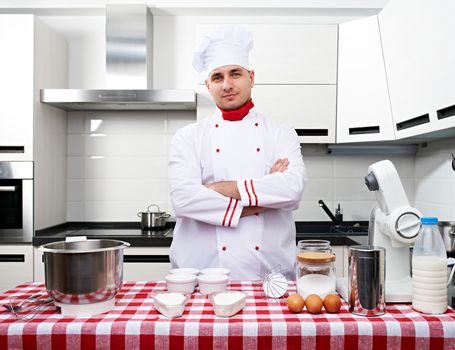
<point x="131" y="232"/>
<point x="262" y="324"/>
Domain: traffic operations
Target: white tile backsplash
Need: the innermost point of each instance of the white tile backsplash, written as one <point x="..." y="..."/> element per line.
<point x="435" y="180"/>
<point x="119" y="210"/>
<point x="112" y="177"/>
<point x="317" y="189"/>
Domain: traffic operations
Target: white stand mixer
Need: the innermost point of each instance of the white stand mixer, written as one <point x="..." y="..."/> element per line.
<point x="394" y="225"/>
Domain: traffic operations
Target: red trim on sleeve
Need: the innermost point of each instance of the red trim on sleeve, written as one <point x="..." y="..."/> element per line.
<point x="248" y="192"/>
<point x="233" y="211"/>
<point x="227" y="211"/>
<point x="256" y="197"/>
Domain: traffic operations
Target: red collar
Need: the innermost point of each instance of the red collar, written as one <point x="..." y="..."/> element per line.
<point x="237" y="114"/>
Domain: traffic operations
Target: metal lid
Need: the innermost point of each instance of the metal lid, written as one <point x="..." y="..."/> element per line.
<point x="366" y="251"/>
<point x="446" y="223"/>
<point x="315" y="257"/>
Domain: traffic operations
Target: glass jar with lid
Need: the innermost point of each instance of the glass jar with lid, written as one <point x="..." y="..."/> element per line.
<point x="314" y="245"/>
<point x="315" y="273"/>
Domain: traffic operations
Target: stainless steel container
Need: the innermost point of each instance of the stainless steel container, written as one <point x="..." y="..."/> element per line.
<point x="366" y="280"/>
<point x="83" y="272"/>
<point x="447" y="229"/>
<point x="153" y="220"/>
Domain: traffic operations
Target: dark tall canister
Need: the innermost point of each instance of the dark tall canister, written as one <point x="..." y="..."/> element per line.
<point x="366" y="280"/>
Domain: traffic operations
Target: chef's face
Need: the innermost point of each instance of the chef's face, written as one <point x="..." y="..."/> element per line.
<point x="230" y="86"/>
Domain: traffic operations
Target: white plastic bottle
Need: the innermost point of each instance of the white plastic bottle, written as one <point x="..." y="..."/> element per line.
<point x="429" y="270"/>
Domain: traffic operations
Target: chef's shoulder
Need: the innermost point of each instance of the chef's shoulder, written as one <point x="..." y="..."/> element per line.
<point x="191" y="132"/>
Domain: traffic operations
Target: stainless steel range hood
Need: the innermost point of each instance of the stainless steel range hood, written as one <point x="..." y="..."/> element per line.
<point x="129" y="30"/>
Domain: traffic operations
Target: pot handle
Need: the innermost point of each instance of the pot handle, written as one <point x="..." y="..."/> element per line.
<point x="153" y="205"/>
<point x="452" y="232"/>
<point x="164" y="216"/>
<point x="139" y="214"/>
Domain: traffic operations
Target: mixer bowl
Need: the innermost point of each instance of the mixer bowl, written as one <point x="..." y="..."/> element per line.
<point x="83" y="272"/>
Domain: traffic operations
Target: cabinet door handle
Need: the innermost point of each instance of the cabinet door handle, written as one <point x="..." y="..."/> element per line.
<point x="12" y="258"/>
<point x="410" y="123"/>
<point x="7" y="188"/>
<point x="11" y="149"/>
<point x="364" y="130"/>
<point x="146" y="259"/>
<point x="312" y="132"/>
<point x="446" y="112"/>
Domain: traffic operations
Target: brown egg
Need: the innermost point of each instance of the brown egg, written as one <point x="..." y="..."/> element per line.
<point x="295" y="303"/>
<point x="332" y="303"/>
<point x="313" y="304"/>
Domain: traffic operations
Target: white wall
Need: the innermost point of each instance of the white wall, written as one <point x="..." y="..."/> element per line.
<point x="435" y="180"/>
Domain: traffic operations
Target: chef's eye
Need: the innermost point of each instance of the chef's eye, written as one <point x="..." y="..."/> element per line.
<point x="236" y="74"/>
<point x="216" y="78"/>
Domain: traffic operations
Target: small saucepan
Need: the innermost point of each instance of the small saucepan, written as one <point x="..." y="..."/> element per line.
<point x="153" y="220"/>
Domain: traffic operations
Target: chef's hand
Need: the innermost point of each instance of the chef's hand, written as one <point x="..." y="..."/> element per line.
<point x="281" y="165"/>
<point x="226" y="188"/>
<point x="247" y="211"/>
<point x="229" y="188"/>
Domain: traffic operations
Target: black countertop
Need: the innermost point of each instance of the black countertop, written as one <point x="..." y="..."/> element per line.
<point x="350" y="233"/>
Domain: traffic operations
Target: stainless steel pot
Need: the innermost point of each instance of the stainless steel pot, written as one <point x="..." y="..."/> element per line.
<point x="447" y="229"/>
<point x="83" y="272"/>
<point x="153" y="220"/>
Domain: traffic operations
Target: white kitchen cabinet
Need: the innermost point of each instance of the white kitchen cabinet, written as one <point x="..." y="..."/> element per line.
<point x="419" y="53"/>
<point x="140" y="264"/>
<point x="16" y="87"/>
<point x="16" y="265"/>
<point x="310" y="109"/>
<point x="146" y="263"/>
<point x="363" y="105"/>
<point x="38" y="266"/>
<point x="33" y="57"/>
<point x="290" y="53"/>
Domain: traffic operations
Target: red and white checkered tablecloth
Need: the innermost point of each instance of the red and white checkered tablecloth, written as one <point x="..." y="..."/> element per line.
<point x="262" y="324"/>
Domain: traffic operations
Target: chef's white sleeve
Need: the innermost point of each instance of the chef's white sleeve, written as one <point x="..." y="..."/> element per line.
<point x="278" y="190"/>
<point x="189" y="197"/>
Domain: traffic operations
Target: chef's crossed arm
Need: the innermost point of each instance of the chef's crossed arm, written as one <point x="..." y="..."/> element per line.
<point x="282" y="188"/>
<point x="223" y="203"/>
<point x="190" y="198"/>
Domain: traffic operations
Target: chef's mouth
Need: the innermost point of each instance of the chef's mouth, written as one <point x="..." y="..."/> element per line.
<point x="229" y="96"/>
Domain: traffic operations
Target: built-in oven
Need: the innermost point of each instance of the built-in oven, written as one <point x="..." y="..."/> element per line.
<point x="16" y="202"/>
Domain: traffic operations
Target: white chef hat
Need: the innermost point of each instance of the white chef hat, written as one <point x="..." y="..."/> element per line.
<point x="228" y="45"/>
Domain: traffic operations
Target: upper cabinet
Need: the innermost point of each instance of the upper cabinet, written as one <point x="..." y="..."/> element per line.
<point x="32" y="57"/>
<point x="295" y="77"/>
<point x="16" y="87"/>
<point x="418" y="39"/>
<point x="363" y="105"/>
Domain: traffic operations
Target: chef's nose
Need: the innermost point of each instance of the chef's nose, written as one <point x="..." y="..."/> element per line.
<point x="227" y="84"/>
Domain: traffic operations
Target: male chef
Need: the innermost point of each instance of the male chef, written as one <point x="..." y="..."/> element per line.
<point x="236" y="176"/>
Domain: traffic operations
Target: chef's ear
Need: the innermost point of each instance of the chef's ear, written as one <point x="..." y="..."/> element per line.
<point x="251" y="73"/>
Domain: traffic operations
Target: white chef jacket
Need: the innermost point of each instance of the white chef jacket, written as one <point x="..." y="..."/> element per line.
<point x="209" y="231"/>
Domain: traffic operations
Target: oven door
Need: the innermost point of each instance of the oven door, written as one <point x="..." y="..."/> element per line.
<point x="16" y="203"/>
